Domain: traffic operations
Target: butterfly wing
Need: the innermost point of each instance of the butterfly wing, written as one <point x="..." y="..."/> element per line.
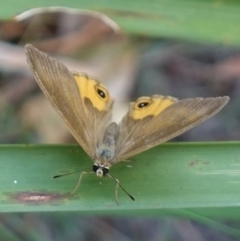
<point x="154" y="120"/>
<point x="83" y="103"/>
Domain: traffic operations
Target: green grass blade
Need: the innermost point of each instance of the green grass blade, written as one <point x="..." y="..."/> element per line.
<point x="202" y="177"/>
<point x="196" y="20"/>
<point x="235" y="232"/>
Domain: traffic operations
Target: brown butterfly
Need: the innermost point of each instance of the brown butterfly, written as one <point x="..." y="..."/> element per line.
<point x="86" y="107"/>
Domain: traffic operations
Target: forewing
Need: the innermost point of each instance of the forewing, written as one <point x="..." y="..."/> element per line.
<point x="71" y="95"/>
<point x="138" y="135"/>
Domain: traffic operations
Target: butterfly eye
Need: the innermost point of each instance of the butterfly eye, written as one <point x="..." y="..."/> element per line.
<point x="143" y="104"/>
<point x="105" y="171"/>
<point x="101" y="93"/>
<point x="95" y="168"/>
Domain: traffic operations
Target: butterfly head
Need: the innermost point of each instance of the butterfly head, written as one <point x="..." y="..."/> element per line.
<point x="100" y="170"/>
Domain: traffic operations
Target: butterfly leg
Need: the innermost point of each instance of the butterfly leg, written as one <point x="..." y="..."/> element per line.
<point x="80" y="179"/>
<point x="116" y="191"/>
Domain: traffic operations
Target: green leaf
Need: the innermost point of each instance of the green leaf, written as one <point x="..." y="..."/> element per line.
<point x="201" y="177"/>
<point x="195" y="20"/>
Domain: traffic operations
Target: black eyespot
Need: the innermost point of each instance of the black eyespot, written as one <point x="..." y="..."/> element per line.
<point x="143" y="104"/>
<point x="101" y="93"/>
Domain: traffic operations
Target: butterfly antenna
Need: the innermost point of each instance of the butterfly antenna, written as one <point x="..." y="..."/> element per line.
<point x="66" y="174"/>
<point x="118" y="183"/>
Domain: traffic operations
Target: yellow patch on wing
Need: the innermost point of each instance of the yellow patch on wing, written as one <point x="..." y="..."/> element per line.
<point x="150" y="106"/>
<point x="93" y="90"/>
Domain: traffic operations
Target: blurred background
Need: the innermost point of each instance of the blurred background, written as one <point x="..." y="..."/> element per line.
<point x="130" y="65"/>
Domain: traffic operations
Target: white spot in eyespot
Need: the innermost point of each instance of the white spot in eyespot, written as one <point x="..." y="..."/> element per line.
<point x="129" y="166"/>
<point x="15" y="182"/>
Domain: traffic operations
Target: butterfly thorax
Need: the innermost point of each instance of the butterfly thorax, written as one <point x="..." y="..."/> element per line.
<point x="105" y="152"/>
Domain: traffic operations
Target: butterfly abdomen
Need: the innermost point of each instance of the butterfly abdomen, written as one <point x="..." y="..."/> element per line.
<point x="107" y="147"/>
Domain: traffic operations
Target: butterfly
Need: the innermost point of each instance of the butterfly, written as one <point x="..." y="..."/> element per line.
<point x="86" y="107"/>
